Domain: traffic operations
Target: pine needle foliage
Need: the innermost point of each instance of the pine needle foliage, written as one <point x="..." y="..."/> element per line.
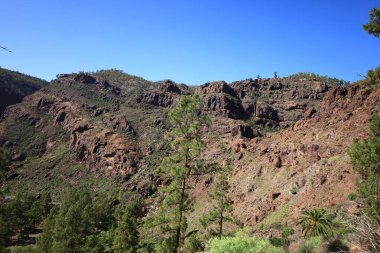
<point x="221" y="212"/>
<point x="183" y="162"/>
<point x="365" y="159"/>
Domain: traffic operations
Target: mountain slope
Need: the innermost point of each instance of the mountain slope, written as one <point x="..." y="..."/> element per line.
<point x="106" y="130"/>
<point x="14" y="86"/>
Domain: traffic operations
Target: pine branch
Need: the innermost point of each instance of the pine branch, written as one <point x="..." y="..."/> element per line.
<point x="6" y="49"/>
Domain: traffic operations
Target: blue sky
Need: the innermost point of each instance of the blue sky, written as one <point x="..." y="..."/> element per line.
<point x="189" y="41"/>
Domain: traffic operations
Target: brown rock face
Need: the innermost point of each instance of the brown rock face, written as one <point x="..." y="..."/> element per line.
<point x="276" y="102"/>
<point x="112" y="128"/>
<point x="245" y="130"/>
<point x="172" y="87"/>
<point x="106" y="149"/>
<point x="165" y="95"/>
<point x="343" y="98"/>
<point x="221" y="100"/>
<point x="306" y="166"/>
<point x="156" y="99"/>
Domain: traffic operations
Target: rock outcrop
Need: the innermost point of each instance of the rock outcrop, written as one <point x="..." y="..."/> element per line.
<point x="221" y="100"/>
<point x="287" y="138"/>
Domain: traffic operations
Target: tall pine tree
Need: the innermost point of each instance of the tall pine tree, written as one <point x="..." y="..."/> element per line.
<point x="221" y="212"/>
<point x="179" y="166"/>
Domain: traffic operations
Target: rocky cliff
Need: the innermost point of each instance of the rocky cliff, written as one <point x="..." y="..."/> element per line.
<point x="288" y="138"/>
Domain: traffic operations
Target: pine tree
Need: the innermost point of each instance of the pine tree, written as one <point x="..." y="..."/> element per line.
<point x="73" y="222"/>
<point x="127" y="234"/>
<point x="45" y="240"/>
<point x="365" y="158"/>
<point x="373" y="25"/>
<point x="222" y="204"/>
<point x="179" y="166"/>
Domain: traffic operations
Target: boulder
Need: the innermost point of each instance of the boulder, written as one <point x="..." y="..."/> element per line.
<point x="245" y="131"/>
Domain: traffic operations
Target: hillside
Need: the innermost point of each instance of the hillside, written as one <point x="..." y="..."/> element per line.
<point x="288" y="137"/>
<point x="110" y="125"/>
<point x="14" y="86"/>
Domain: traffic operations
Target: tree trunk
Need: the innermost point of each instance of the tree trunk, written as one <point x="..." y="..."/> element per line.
<point x="221" y="221"/>
<point x="178" y="232"/>
<point x="181" y="205"/>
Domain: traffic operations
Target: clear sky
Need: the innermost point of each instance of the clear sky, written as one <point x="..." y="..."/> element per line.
<point x="189" y="41"/>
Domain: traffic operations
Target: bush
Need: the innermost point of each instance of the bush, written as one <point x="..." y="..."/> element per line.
<point x="311" y="245"/>
<point x="193" y="244"/>
<point x="352" y="196"/>
<point x="338" y="246"/>
<point x="372" y="78"/>
<point x="240" y="244"/>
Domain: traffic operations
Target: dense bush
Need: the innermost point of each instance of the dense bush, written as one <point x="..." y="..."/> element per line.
<point x="77" y="225"/>
<point x="20" y="213"/>
<point x="240" y="244"/>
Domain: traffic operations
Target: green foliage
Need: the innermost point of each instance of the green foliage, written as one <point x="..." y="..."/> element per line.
<point x="313" y="76"/>
<point x="20" y="212"/>
<point x="193" y="244"/>
<point x="73" y="222"/>
<point x="240" y="244"/>
<point x="285" y="237"/>
<point x="116" y="75"/>
<point x="284" y="241"/>
<point x="317" y="222"/>
<point x="365" y="158"/>
<point x="77" y="225"/>
<point x="15" y="85"/>
<point x="45" y="240"/>
<point x="372" y="78"/>
<point x="183" y="162"/>
<point x="221" y="211"/>
<point x="373" y="25"/>
<point x="127" y="234"/>
<point x="311" y="245"/>
<point x="352" y="196"/>
<point x="3" y="163"/>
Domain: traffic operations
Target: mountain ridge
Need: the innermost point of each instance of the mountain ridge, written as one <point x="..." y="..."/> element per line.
<point x="109" y="135"/>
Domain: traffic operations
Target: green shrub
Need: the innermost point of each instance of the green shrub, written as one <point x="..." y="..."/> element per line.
<point x="240" y="244"/>
<point x="352" y="196"/>
<point x="311" y="245"/>
<point x="372" y="78"/>
<point x="193" y="244"/>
